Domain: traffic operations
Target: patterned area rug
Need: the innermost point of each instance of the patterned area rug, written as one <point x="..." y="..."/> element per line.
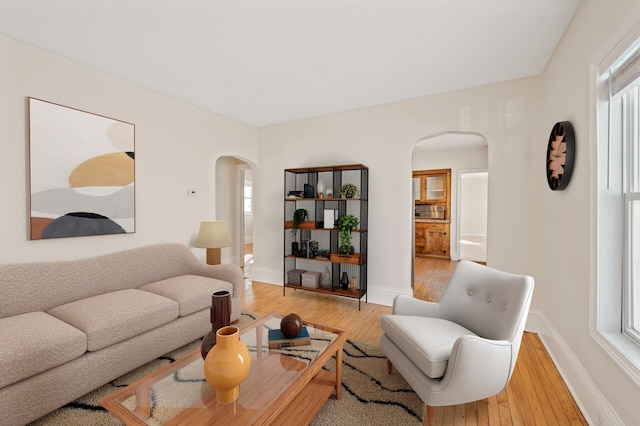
<point x="370" y="396"/>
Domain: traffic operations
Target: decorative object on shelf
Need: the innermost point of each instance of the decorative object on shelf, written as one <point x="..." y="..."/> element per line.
<point x="344" y="281"/>
<point x="290" y="325"/>
<point x="328" y="192"/>
<point x="330" y="218"/>
<point x="295" y="194"/>
<point x="213" y="236"/>
<point x="298" y="217"/>
<point x="294" y="248"/>
<point x="346" y="224"/>
<point x="320" y="188"/>
<point x="294" y="276"/>
<point x="348" y="190"/>
<point x="311" y="248"/>
<point x="311" y="279"/>
<point x="309" y="192"/>
<point x="561" y="151"/>
<point x="227" y="364"/>
<point x="323" y="254"/>
<point x="354" y="285"/>
<point x="325" y="278"/>
<point x="220" y="316"/>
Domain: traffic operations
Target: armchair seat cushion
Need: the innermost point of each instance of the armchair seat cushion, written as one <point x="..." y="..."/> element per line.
<point x="426" y="341"/>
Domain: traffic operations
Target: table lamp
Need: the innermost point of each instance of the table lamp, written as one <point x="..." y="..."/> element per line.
<point x="213" y="235"/>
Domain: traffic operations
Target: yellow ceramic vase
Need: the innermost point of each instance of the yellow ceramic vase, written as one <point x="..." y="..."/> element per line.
<point x="227" y="364"/>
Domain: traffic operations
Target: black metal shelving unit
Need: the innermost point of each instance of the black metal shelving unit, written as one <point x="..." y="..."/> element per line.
<point x="314" y="229"/>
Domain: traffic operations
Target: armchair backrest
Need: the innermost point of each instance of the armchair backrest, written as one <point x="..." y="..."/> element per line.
<point x="491" y="303"/>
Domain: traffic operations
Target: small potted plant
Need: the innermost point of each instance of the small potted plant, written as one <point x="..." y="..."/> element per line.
<point x="345" y="225"/>
<point x="299" y="216"/>
<point x="348" y="190"/>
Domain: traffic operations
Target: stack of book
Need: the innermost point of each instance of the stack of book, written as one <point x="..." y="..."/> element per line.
<point x="278" y="340"/>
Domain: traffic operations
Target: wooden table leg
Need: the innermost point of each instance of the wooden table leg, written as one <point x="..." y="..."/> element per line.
<point x="143" y="403"/>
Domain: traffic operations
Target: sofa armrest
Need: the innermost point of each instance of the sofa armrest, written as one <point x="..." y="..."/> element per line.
<point x="405" y="305"/>
<point x="224" y="272"/>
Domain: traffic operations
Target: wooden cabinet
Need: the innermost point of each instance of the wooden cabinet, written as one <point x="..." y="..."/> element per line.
<point x="432" y="200"/>
<point x="432" y="239"/>
<point x="432" y="186"/>
<point x="317" y="240"/>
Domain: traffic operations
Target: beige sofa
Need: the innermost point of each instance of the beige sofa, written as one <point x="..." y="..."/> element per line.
<point x="67" y="328"/>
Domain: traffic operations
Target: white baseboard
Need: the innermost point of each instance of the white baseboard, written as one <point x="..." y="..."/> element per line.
<point x="592" y="402"/>
<point x="384" y="296"/>
<point x="266" y="275"/>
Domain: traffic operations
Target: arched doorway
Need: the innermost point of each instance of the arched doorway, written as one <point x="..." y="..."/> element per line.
<point x="234" y="195"/>
<point x="461" y="153"/>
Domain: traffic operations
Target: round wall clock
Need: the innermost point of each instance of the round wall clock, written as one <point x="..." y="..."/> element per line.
<point x="561" y="152"/>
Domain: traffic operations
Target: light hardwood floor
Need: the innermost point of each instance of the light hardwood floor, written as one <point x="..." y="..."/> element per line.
<point x="536" y="394"/>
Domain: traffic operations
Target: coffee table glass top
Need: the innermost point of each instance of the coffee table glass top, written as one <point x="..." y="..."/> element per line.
<point x="178" y="392"/>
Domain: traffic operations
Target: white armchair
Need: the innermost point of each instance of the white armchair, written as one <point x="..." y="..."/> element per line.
<point x="463" y="348"/>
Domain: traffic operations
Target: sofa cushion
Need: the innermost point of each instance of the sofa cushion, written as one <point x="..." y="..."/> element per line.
<point x="35" y="342"/>
<point x="192" y="292"/>
<point x="426" y="341"/>
<point x="113" y="317"/>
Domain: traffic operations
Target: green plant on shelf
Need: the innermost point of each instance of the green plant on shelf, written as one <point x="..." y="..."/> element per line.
<point x="345" y="225"/>
<point x="299" y="216"/>
<point x="348" y="190"/>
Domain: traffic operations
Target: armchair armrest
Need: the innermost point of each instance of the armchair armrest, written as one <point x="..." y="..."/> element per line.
<point x="405" y="305"/>
<point x="478" y="368"/>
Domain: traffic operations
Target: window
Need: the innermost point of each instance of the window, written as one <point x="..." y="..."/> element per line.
<point x="627" y="104"/>
<point x="248" y="197"/>
<point x="619" y="204"/>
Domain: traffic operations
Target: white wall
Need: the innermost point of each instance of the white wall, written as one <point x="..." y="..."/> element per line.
<point x="565" y="287"/>
<point x="473" y="204"/>
<point x="177" y="146"/>
<point x="383" y="138"/>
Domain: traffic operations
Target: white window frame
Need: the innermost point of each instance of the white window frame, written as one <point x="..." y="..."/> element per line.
<point x="611" y="243"/>
<point x="630" y="125"/>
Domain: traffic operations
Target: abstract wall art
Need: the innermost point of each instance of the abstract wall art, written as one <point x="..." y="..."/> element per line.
<point x="81" y="173"/>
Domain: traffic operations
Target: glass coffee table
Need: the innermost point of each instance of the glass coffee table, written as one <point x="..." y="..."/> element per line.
<point x="284" y="386"/>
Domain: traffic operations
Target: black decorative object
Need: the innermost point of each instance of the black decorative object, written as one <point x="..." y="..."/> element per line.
<point x="309" y="191"/>
<point x="344" y="281"/>
<point x="220" y="317"/>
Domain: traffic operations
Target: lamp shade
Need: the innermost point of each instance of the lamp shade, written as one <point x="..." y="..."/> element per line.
<point x="213" y="234"/>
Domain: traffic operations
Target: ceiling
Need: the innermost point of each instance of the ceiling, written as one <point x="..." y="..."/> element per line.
<point x="271" y="61"/>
